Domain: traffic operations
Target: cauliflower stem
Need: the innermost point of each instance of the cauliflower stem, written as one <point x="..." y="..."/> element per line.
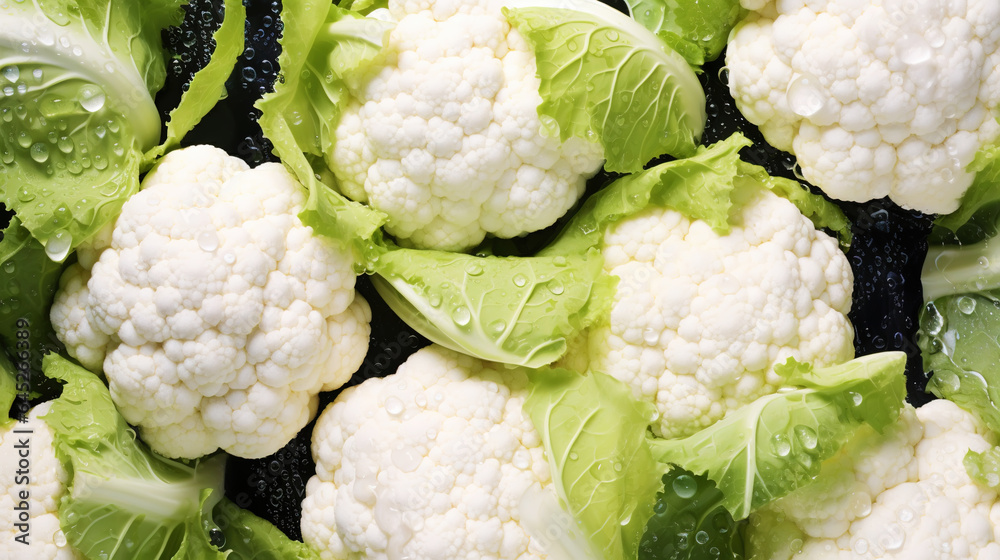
<point x="126" y="502"/>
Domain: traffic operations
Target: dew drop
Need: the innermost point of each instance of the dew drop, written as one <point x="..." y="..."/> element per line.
<point x="474" y="269"/>
<point x="406" y="459"/>
<point x="59" y="538"/>
<point x="11" y="73"/>
<point x="913" y="49"/>
<point x="556" y="287"/>
<point x="498" y="327"/>
<point x="804" y="98"/>
<point x="935" y="320"/>
<point x="806" y="436"/>
<point x="521" y="460"/>
<point x="520" y="280"/>
<point x="208" y="241"/>
<point x="217" y="538"/>
<point x="58" y="246"/>
<point x="905" y="514"/>
<point x="461" y="316"/>
<point x="860" y="547"/>
<point x="650" y="336"/>
<point x="701" y="537"/>
<point x="39" y="152"/>
<point x="782" y="447"/>
<point x="856" y="398"/>
<point x="966" y="305"/>
<point x="893" y="538"/>
<point x="602" y="472"/>
<point x="684" y="486"/>
<point x="394" y="406"/>
<point x="92" y="98"/>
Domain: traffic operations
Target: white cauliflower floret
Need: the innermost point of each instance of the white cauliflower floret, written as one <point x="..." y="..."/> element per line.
<point x="882" y="98"/>
<point x="431" y="462"/>
<point x="905" y="494"/>
<point x="44" y="479"/>
<point x="215" y="313"/>
<point x="446" y="139"/>
<point x="699" y="320"/>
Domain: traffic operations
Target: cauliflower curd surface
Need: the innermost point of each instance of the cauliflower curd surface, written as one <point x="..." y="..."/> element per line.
<point x="445" y="137"/>
<point x="699" y="319"/>
<point x="45" y="481"/>
<point x="216" y="314"/>
<point x="876" y="98"/>
<point x="431" y="462"/>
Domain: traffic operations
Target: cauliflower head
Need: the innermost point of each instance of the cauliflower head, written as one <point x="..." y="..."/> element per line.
<point x="216" y="315"/>
<point x="445" y="137"/>
<point x="45" y="481"/>
<point x="699" y="320"/>
<point x="430" y="462"/>
<point x="902" y="494"/>
<point x="882" y="98"/>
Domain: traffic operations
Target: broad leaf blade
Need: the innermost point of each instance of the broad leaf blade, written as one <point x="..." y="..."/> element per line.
<point x="690" y="523"/>
<point x="301" y="114"/>
<point x="958" y="346"/>
<point x="768" y="448"/>
<point x="512" y="310"/>
<point x="704" y="25"/>
<point x="982" y="195"/>
<point x="823" y="213"/>
<point x="124" y="501"/>
<point x="77" y="117"/>
<point x="606" y="78"/>
<point x="248" y="537"/>
<point x="28" y="283"/>
<point x="700" y="187"/>
<point x="594" y="434"/>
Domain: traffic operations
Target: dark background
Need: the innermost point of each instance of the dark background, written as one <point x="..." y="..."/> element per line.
<point x="886" y="255"/>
